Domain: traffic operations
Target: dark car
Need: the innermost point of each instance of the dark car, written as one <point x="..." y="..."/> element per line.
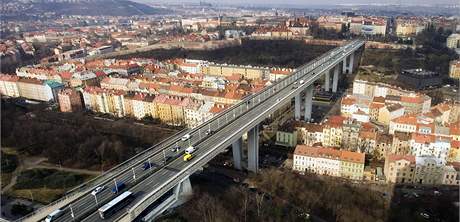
<point x="167" y="159"/>
<point x="209" y="132"/>
<point x="119" y="186"/>
<point x="175" y="149"/>
<point x="146" y="166"/>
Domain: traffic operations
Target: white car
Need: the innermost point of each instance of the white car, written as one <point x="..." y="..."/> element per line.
<point x="97" y="190"/>
<point x="190" y="150"/>
<point x="186" y="137"/>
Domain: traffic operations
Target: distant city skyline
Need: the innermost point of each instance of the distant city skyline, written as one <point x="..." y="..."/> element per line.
<point x="315" y="2"/>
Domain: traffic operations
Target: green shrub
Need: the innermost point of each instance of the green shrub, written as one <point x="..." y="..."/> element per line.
<point x="49" y="178"/>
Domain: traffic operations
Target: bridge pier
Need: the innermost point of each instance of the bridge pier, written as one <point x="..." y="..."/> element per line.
<point x="253" y="149"/>
<point x="327" y="80"/>
<point x="297" y="101"/>
<point x="344" y="65"/>
<point x="181" y="193"/>
<point x="237" y="149"/>
<point x="308" y="102"/>
<point x="351" y="64"/>
<point x="335" y="78"/>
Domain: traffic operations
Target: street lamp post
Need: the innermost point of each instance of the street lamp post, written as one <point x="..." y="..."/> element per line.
<point x="71" y="211"/>
<point x="116" y="187"/>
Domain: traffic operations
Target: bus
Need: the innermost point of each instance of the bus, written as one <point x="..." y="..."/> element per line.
<point x="116" y="204"/>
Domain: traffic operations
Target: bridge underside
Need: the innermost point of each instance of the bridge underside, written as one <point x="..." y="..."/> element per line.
<point x="177" y="196"/>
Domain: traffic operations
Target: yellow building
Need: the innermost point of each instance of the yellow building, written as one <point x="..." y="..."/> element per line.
<point x="454" y="151"/>
<point x="454" y="70"/>
<point x="352" y="165"/>
<point x="332" y="131"/>
<point x="399" y="168"/>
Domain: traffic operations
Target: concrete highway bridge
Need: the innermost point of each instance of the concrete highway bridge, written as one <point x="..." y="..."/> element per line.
<point x="165" y="183"/>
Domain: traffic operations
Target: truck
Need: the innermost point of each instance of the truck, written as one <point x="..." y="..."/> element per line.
<point x="118" y="187"/>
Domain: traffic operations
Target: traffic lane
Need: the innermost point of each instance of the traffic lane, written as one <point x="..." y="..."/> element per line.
<point x="263" y="103"/>
<point x="88" y="201"/>
<point x="158" y="160"/>
<point x="82" y="200"/>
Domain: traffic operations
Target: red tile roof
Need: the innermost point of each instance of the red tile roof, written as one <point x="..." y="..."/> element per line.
<point x="395" y="157"/>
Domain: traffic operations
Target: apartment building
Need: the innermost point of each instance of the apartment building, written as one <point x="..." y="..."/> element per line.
<point x="69" y="100"/>
<point x="399" y="168"/>
<point x="332" y="131"/>
<point x="454" y="69"/>
<point x="401" y="143"/>
<point x="430" y="145"/>
<point x="310" y="133"/>
<point x="409" y="27"/>
<point x="453" y="41"/>
<point x="9" y="85"/>
<point x="361" y="25"/>
<point x="329" y="161"/>
<point x="38" y="89"/>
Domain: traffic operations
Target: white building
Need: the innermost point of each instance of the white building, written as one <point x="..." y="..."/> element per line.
<point x="430" y="145"/>
<point x="9" y="85"/>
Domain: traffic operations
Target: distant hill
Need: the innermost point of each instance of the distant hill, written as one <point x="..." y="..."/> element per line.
<point x="94" y="7"/>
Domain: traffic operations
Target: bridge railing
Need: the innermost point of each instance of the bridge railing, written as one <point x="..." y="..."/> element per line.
<point x="170" y="183"/>
<point x="253" y="100"/>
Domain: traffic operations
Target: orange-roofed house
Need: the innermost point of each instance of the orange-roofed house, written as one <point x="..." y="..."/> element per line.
<point x="348" y="106"/>
<point x="406" y="123"/>
<point x="399" y="168"/>
<point x="430" y="145"/>
<point x="374" y="110"/>
<point x="332" y="131"/>
<point x="69" y="100"/>
<point x="163" y="108"/>
<point x="279" y="73"/>
<point x="328" y="161"/>
<point x="351" y="165"/>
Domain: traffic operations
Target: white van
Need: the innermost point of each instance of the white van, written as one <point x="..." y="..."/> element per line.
<point x="190" y="150"/>
<point x="54" y="215"/>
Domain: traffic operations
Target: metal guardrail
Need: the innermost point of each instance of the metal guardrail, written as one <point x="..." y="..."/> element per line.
<point x="213" y="152"/>
<point x="126" y="165"/>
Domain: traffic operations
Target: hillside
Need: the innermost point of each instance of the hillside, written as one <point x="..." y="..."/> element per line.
<point x="94" y="8"/>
